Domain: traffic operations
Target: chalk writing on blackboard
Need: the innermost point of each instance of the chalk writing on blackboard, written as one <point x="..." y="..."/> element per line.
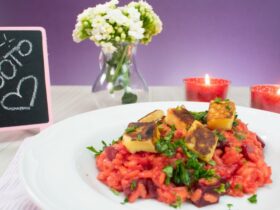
<point x="19" y="95"/>
<point x="23" y="49"/>
<point x="19" y="50"/>
<point x="14" y="69"/>
<point x="6" y="41"/>
<point x="2" y="83"/>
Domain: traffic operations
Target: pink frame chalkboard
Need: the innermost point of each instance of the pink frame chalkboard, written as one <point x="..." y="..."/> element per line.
<point x="47" y="79"/>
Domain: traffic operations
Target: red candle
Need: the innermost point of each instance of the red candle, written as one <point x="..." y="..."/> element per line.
<point x="206" y="89"/>
<point x="266" y="97"/>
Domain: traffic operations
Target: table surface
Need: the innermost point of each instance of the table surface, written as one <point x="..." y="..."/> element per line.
<point x="72" y="100"/>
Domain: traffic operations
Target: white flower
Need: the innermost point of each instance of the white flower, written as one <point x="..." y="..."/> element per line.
<point x="82" y="31"/>
<point x="108" y="48"/>
<point x="108" y="23"/>
<point x="112" y="3"/>
<point x="103" y="8"/>
<point x="142" y="4"/>
<point x="136" y="31"/>
<point x="76" y="32"/>
<point x="86" y="14"/>
<point x="101" y="30"/>
<point x="133" y="13"/>
<point x="145" y="5"/>
<point x="116" y="15"/>
<point x="76" y="37"/>
<point x="158" y="24"/>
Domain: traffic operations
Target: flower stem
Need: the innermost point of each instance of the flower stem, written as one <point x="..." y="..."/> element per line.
<point x="120" y="63"/>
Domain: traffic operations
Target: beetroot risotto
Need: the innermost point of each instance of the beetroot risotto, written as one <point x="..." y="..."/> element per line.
<point x="185" y="156"/>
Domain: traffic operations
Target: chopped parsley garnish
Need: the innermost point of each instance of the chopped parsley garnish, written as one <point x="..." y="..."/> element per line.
<point x="104" y="144"/>
<point x="229" y="205"/>
<point x="228" y="107"/>
<point x="218" y="100"/>
<point x="253" y="199"/>
<point x="168" y="170"/>
<point x="115" y="141"/>
<point x="124" y="201"/>
<point x="115" y="191"/>
<point x="239" y="135"/>
<point x="177" y="203"/>
<point x="212" y="163"/>
<point x="160" y="127"/>
<point x="235" y="122"/>
<point x="238" y="149"/>
<point x="182" y="172"/>
<point x="227" y="185"/>
<point x="98" y="152"/>
<point x="133" y="185"/>
<point x="95" y="151"/>
<point x="238" y="187"/>
<point x="139" y="137"/>
<point x="130" y="129"/>
<point x="170" y="135"/>
<point x="219" y="135"/>
<point x="168" y="148"/>
<point x="221" y="189"/>
<point x="198" y="168"/>
<point x="181" y="143"/>
<point x="200" y="116"/>
<point x="165" y="146"/>
<point x="189" y="172"/>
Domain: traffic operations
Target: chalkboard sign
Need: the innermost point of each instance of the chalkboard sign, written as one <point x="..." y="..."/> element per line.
<point x="24" y="78"/>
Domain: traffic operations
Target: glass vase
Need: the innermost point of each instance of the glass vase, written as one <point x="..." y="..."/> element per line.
<point x="119" y="81"/>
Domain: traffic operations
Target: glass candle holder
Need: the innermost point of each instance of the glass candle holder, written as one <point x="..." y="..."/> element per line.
<point x="206" y="89"/>
<point x="266" y="97"/>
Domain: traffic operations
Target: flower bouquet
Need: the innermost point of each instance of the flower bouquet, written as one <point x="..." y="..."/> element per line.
<point x="118" y="30"/>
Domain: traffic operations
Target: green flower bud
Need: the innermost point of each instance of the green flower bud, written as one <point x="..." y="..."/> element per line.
<point x="123" y="35"/>
<point x="117" y="38"/>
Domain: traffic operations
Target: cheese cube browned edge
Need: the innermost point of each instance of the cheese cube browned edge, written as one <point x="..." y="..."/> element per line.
<point x="201" y="141"/>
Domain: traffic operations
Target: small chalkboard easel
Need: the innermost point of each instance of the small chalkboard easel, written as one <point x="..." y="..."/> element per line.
<point x="24" y="79"/>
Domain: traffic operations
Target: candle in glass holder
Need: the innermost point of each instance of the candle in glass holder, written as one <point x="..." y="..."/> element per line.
<point x="266" y="97"/>
<point x="206" y="89"/>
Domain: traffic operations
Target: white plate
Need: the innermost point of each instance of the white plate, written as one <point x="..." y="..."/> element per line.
<point x="60" y="174"/>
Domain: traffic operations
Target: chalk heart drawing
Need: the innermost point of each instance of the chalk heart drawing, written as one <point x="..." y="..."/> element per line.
<point x="19" y="96"/>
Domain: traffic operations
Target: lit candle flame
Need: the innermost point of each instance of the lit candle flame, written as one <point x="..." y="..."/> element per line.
<point x="278" y="92"/>
<point x="207" y="79"/>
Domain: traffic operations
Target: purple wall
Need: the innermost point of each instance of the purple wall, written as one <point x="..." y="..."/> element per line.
<point x="235" y="39"/>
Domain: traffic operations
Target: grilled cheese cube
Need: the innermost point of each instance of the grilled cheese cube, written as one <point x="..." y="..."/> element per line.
<point x="140" y="137"/>
<point x="153" y="116"/>
<point x="201" y="141"/>
<point x="180" y="117"/>
<point x="221" y="115"/>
